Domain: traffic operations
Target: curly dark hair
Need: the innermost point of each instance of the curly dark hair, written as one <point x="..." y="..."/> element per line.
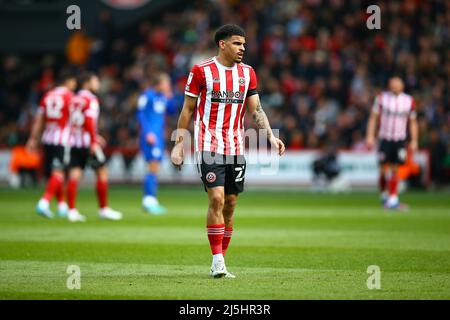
<point x="228" y="30"/>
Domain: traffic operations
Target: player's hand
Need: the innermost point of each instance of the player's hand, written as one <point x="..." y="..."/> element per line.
<point x="277" y="143"/>
<point x="101" y="141"/>
<point x="413" y="145"/>
<point x="177" y="155"/>
<point x="31" y="145"/>
<point x="370" y="142"/>
<point x="93" y="148"/>
<point x="150" y="138"/>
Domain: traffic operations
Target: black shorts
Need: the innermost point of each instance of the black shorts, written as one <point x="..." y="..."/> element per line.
<point x="53" y="158"/>
<point x="80" y="157"/>
<point x="218" y="170"/>
<point x="393" y="152"/>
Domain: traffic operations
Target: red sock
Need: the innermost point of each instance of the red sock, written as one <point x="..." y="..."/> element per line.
<point x="72" y="187"/>
<point x="226" y="239"/>
<point x="102" y="193"/>
<point x="215" y="237"/>
<point x="52" y="186"/>
<point x="60" y="193"/>
<point x="382" y="182"/>
<point x="393" y="184"/>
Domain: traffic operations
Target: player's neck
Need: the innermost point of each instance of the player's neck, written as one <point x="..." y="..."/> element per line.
<point x="225" y="62"/>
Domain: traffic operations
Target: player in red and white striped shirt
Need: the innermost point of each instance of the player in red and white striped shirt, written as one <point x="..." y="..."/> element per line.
<point x="394" y="111"/>
<point x="85" y="147"/>
<point x="53" y="119"/>
<point x="218" y="90"/>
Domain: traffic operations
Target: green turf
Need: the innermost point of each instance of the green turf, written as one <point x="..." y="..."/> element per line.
<point x="286" y="245"/>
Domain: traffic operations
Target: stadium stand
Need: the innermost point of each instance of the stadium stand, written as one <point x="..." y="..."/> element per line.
<point x="318" y="66"/>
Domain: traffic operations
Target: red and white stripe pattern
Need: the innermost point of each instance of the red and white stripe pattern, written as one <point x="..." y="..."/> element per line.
<point x="228" y="233"/>
<point x="84" y="105"/>
<point x="394" y="112"/>
<point x="215" y="236"/>
<point x="226" y="239"/>
<point x="221" y="93"/>
<point x="55" y="135"/>
<point x="216" y="229"/>
<point x="55" y="107"/>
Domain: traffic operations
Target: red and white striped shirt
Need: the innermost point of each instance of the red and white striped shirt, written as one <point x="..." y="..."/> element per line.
<point x="84" y="112"/>
<point x="55" y="107"/>
<point x="222" y="92"/>
<point x="394" y="112"/>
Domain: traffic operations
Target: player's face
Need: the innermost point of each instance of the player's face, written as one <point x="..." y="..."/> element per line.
<point x="71" y="84"/>
<point x="165" y="84"/>
<point x="94" y="84"/>
<point x="396" y="85"/>
<point x="234" y="48"/>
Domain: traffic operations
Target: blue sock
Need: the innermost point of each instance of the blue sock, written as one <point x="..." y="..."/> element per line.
<point x="150" y="185"/>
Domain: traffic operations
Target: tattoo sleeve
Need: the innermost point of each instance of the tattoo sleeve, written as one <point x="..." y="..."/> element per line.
<point x="260" y="119"/>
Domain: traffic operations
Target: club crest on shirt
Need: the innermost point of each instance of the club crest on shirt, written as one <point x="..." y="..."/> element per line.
<point x="241" y="81"/>
<point x="210" y="177"/>
<point x="216" y="80"/>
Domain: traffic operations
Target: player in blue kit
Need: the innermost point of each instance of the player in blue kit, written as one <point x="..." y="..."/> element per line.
<point x="153" y="105"/>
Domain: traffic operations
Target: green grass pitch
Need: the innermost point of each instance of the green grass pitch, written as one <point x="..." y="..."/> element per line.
<point x="286" y="245"/>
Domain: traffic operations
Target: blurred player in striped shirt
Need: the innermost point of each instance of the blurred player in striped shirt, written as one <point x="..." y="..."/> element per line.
<point x="86" y="148"/>
<point x="51" y="126"/>
<point x="392" y="114"/>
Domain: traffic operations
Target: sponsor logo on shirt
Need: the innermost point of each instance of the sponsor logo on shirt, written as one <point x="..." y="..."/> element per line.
<point x="227" y="96"/>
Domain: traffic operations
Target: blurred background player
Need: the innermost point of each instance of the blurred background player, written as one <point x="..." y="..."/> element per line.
<point x="53" y="117"/>
<point x="152" y="106"/>
<point x="393" y="110"/>
<point x="218" y="90"/>
<point x="86" y="146"/>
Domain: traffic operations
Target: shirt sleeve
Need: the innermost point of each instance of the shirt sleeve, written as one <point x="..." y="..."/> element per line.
<point x="93" y="110"/>
<point x="142" y="118"/>
<point x="194" y="82"/>
<point x="413" y="113"/>
<point x="91" y="113"/>
<point x="252" y="87"/>
<point x="376" y="108"/>
<point x="91" y="127"/>
<point x="41" y="107"/>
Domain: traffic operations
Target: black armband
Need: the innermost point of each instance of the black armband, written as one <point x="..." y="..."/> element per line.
<point x="252" y="92"/>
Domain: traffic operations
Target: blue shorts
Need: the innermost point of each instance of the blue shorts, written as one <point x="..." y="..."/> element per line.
<point x="152" y="152"/>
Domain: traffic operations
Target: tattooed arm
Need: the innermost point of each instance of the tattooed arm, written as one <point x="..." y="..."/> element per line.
<point x="261" y="121"/>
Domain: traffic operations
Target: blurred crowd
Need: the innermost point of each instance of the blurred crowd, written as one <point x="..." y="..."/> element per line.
<point x="318" y="66"/>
